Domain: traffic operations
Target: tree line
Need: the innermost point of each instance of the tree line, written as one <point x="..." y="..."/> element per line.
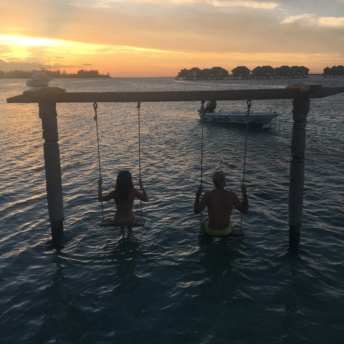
<point x="264" y="72"/>
<point x="21" y="74"/>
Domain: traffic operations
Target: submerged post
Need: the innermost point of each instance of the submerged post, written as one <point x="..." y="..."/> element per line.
<point x="48" y="115"/>
<point x="301" y="107"/>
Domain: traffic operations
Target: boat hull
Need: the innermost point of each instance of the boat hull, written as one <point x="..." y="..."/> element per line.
<point x="37" y="82"/>
<point x="39" y="79"/>
<point x="258" y="118"/>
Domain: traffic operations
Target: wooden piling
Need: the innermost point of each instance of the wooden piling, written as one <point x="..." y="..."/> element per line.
<point x="301" y="107"/>
<point x="48" y="115"/>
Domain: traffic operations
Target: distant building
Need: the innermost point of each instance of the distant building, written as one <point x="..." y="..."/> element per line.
<point x="334" y="71"/>
<point x="283" y="72"/>
<point x="195" y="73"/>
<point x="265" y="72"/>
<point x="299" y="72"/>
<point x="241" y="72"/>
<point x="215" y="73"/>
<point x="218" y="73"/>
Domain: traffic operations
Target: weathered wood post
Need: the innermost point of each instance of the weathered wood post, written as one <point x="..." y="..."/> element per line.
<point x="301" y="107"/>
<point x="48" y="115"/>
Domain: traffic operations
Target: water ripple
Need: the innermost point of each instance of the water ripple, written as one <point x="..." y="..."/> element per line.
<point x="162" y="281"/>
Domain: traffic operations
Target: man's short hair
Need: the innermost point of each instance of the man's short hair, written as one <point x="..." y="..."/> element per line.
<point x="219" y="179"/>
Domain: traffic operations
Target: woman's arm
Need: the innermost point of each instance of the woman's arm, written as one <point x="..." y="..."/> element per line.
<point x="141" y="195"/>
<point x="108" y="196"/>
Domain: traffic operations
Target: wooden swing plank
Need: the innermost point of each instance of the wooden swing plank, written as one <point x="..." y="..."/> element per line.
<point x="234" y="233"/>
<point x="111" y="223"/>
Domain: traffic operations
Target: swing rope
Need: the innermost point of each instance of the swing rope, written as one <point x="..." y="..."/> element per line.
<point x="245" y="154"/>
<point x="247" y="116"/>
<point x="139" y="139"/>
<point x="95" y="107"/>
<point x="202" y="145"/>
<point x="202" y="140"/>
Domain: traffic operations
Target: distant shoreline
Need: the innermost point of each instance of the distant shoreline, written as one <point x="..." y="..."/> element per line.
<point x="86" y="74"/>
<point x="62" y="77"/>
<point x="155" y="77"/>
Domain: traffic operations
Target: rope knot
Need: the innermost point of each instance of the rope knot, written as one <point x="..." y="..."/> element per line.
<point x="95" y="107"/>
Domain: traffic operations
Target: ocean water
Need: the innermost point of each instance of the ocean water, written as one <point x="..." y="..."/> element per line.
<point x="162" y="283"/>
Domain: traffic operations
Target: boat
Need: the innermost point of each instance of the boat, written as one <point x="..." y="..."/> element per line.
<point x="208" y="114"/>
<point x="40" y="78"/>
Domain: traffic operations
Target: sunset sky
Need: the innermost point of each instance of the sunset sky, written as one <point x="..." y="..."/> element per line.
<point x="160" y="37"/>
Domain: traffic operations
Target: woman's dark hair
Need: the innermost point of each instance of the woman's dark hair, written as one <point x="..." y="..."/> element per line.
<point x="124" y="184"/>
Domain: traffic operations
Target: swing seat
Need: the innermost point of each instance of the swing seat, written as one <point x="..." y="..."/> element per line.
<point x="235" y="233"/>
<point x="111" y="223"/>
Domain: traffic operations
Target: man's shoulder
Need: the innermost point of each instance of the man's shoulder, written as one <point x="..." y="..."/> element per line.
<point x="218" y="191"/>
<point x="229" y="194"/>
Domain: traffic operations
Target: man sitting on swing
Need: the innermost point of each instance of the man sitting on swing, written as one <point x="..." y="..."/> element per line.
<point x="219" y="203"/>
<point x="123" y="195"/>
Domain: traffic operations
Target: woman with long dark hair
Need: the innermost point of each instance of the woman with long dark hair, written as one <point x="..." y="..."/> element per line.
<point x="124" y="196"/>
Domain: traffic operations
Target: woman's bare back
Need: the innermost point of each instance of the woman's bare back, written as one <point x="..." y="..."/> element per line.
<point x="124" y="207"/>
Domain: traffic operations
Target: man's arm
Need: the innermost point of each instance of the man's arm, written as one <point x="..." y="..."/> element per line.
<point x="242" y="206"/>
<point x="199" y="205"/>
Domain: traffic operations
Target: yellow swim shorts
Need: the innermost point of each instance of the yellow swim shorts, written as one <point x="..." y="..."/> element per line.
<point x="216" y="232"/>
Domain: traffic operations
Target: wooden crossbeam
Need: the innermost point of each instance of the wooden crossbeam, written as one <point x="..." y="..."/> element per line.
<point x="59" y="95"/>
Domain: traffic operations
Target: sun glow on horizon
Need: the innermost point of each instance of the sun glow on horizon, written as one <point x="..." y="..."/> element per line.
<point x="121" y="60"/>
<point x="28" y="41"/>
<point x="18" y="45"/>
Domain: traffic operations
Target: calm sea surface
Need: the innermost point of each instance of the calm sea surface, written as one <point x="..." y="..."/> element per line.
<point x="163" y="284"/>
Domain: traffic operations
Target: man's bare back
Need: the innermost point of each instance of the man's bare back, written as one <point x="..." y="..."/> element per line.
<point x="220" y="203"/>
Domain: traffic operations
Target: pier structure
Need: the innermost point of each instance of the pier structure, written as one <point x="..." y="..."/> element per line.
<point x="48" y="97"/>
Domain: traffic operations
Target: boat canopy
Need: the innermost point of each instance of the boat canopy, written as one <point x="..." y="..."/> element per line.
<point x="210" y="106"/>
